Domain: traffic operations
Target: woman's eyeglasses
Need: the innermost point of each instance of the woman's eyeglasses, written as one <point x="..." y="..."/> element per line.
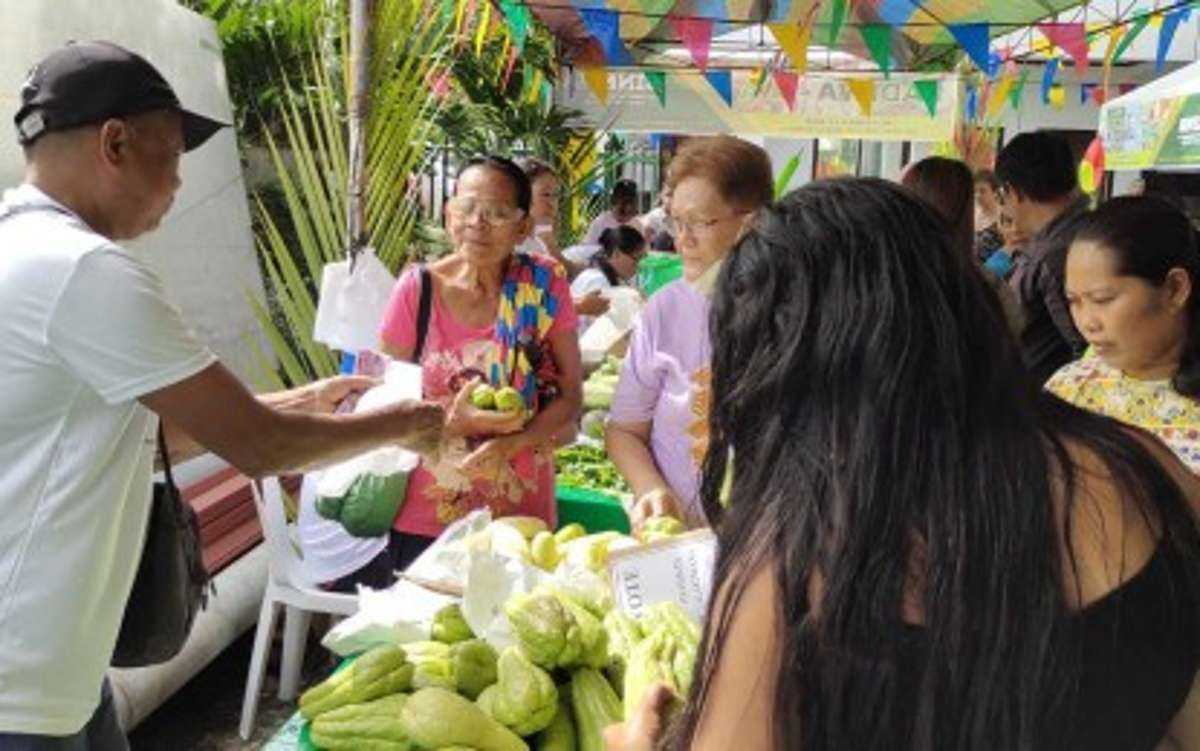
<point x="489" y="212"/>
<point x="697" y="227"/>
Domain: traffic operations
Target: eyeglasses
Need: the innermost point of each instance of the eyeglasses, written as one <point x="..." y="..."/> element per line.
<point x="491" y="213"/>
<point x="697" y="227"/>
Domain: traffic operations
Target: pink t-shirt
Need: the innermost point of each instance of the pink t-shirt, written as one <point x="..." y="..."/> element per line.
<point x="439" y="494"/>
<point x="667" y="381"/>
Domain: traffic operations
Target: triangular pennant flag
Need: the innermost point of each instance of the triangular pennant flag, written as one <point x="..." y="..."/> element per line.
<point x="793" y="40"/>
<point x="863" y="90"/>
<point x="837" y="19"/>
<point x="1125" y="88"/>
<point x="722" y="81"/>
<point x="1018" y="90"/>
<point x="999" y="95"/>
<point x="1137" y="27"/>
<point x="758" y="79"/>
<point x="518" y="18"/>
<point x="605" y="26"/>
<point x="878" y="38"/>
<point x="596" y="77"/>
<point x="1058" y="96"/>
<point x="1099" y="95"/>
<point x="974" y="38"/>
<point x="1070" y="38"/>
<point x="1085" y="92"/>
<point x="1048" y="74"/>
<point x="896" y="12"/>
<point x="718" y="11"/>
<point x="787" y="82"/>
<point x="929" y="91"/>
<point x="1167" y="35"/>
<point x="696" y="34"/>
<point x="1156" y="20"/>
<point x="658" y="82"/>
<point x="1115" y="34"/>
<point x="972" y="103"/>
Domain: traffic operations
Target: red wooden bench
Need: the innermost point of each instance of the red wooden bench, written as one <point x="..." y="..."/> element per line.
<point x="229" y="525"/>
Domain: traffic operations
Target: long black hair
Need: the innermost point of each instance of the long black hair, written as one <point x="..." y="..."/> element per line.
<point x="624" y="239"/>
<point x="880" y="421"/>
<point x="1148" y="237"/>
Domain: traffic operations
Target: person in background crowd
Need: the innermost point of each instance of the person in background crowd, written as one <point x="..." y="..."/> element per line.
<point x="920" y="552"/>
<point x="1038" y="175"/>
<point x="97" y="362"/>
<point x="543" y="212"/>
<point x="1005" y="260"/>
<point x="947" y="186"/>
<point x="658" y="424"/>
<point x="623" y="209"/>
<point x="497" y="315"/>
<point x="654" y="223"/>
<point x="987" y="215"/>
<point x="1132" y="276"/>
<point x="621" y="248"/>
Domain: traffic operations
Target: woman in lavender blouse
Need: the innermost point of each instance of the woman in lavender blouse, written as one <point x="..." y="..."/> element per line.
<point x="658" y="425"/>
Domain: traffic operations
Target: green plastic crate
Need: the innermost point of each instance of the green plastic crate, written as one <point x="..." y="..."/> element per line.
<point x="657" y="270"/>
<point x="596" y="511"/>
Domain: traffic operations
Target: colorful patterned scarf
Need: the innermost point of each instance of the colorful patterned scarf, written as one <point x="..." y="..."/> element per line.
<point x="523" y="358"/>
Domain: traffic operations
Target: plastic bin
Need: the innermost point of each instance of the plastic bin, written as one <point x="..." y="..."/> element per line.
<point x="657" y="270"/>
<point x="596" y="511"/>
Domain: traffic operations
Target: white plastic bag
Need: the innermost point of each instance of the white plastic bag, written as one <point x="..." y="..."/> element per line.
<point x="352" y="304"/>
<point x="401" y="614"/>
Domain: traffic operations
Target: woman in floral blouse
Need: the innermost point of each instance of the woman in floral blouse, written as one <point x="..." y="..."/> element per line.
<point x="1130" y="281"/>
<point x="497" y="316"/>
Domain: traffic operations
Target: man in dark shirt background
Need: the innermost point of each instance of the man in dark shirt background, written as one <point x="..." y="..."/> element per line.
<point x="1037" y="172"/>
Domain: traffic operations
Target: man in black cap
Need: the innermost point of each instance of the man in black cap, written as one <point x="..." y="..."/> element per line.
<point x="93" y="355"/>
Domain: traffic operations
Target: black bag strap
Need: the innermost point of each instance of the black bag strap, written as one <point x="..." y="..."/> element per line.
<point x="166" y="459"/>
<point x="423" y="311"/>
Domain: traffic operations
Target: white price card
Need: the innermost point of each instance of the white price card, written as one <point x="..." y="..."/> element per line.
<point x="679" y="569"/>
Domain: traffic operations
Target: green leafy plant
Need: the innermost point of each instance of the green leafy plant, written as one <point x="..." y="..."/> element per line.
<point x="311" y="163"/>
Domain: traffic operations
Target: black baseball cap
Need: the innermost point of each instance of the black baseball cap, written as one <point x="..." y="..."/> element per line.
<point x="89" y="82"/>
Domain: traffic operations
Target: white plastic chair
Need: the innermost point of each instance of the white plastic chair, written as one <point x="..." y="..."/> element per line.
<point x="288" y="588"/>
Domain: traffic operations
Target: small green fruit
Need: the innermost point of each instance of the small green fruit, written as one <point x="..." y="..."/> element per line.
<point x="509" y="399"/>
<point x="484" y="397"/>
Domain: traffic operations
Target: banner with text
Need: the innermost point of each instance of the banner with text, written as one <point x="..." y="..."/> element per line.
<point x="824" y="106"/>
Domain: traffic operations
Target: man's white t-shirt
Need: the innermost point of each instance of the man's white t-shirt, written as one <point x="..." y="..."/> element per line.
<point x="86" y="330"/>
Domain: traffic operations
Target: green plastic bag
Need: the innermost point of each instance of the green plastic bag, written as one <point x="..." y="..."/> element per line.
<point x="369" y="506"/>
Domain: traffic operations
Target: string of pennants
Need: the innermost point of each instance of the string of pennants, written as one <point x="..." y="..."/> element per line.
<point x="794" y="37"/>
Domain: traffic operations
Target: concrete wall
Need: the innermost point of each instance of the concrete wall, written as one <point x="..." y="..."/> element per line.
<point x="204" y="249"/>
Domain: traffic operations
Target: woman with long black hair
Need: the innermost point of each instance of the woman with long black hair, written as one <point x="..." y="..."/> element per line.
<point x="921" y="550"/>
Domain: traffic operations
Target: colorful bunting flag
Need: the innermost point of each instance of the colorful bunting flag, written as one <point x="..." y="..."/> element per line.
<point x="696" y="34"/>
<point x="1048" y="74"/>
<point x="722" y="81"/>
<point x="793" y="39"/>
<point x="999" y="95"/>
<point x="658" y="82"/>
<point x="1058" y="96"/>
<point x="878" y="38"/>
<point x="1099" y="94"/>
<point x="837" y="19"/>
<point x="863" y="90"/>
<point x="1085" y="92"/>
<point x="1125" y="88"/>
<point x="758" y="79"/>
<point x="896" y="12"/>
<point x="1018" y="90"/>
<point x="975" y="39"/>
<point x="605" y="26"/>
<point x="972" y="103"/>
<point x="518" y="18"/>
<point x="1070" y="38"/>
<point x="1167" y="35"/>
<point x="596" y="77"/>
<point x="1139" y="25"/>
<point x="787" y="81"/>
<point x="929" y="90"/>
<point x="1115" y="35"/>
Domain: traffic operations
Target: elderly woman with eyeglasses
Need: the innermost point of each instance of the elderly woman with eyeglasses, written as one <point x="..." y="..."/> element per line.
<point x="495" y="318"/>
<point x="658" y="426"/>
